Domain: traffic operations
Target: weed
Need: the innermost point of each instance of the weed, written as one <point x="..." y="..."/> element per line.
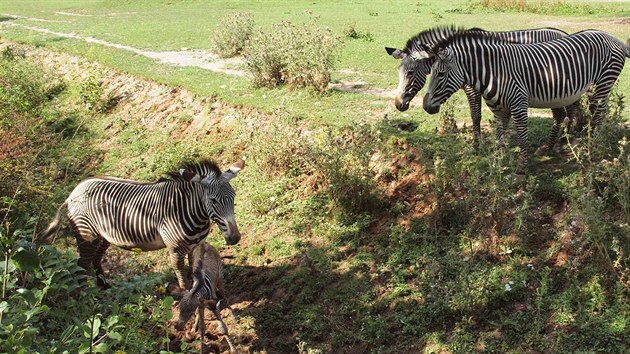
<point x="300" y="56"/>
<point x="350" y="31"/>
<point x="232" y="34"/>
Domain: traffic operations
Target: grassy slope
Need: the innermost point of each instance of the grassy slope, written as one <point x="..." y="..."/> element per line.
<point x="431" y="271"/>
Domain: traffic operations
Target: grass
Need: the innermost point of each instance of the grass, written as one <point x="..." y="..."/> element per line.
<point x="357" y="234"/>
<point x="167" y="25"/>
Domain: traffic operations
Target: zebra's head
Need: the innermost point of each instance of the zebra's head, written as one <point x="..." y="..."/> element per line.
<point x="446" y="78"/>
<point x="220" y="201"/>
<point x="414" y="67"/>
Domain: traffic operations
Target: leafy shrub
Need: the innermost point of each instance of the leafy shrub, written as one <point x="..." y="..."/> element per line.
<point x="22" y="88"/>
<point x="232" y="34"/>
<point x="300" y="56"/>
<point x="93" y="95"/>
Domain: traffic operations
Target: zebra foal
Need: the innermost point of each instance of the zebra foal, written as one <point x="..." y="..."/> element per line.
<point x="207" y="291"/>
<point x="174" y="212"/>
<point x="415" y="66"/>
<point x="512" y="77"/>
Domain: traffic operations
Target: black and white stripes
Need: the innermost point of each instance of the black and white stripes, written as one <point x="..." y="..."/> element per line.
<point x="174" y="212"/>
<point x="416" y="65"/>
<point x="512" y="77"/>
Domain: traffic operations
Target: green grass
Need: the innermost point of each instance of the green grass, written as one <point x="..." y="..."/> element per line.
<point x="172" y="25"/>
<point x="459" y="256"/>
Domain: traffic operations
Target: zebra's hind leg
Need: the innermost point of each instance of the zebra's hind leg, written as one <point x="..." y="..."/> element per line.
<point x="89" y="255"/>
<point x="576" y="117"/>
<point x="559" y="115"/>
<point x="598" y="104"/>
<point x="97" y="263"/>
<point x="502" y="122"/>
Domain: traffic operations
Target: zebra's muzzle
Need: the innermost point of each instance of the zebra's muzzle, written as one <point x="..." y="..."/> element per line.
<point x="428" y="107"/>
<point x="232" y="235"/>
<point x="402" y="104"/>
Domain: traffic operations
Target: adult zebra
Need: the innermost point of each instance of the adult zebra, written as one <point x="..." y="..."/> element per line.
<point x="174" y="212"/>
<point x="512" y="77"/>
<point x="416" y="64"/>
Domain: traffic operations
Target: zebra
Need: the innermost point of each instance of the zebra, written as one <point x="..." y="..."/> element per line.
<point x="174" y="212"/>
<point x="512" y="77"/>
<point x="415" y="67"/>
<point x="207" y="291"/>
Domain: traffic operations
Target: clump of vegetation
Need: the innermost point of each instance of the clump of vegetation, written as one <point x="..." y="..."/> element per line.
<point x="232" y="34"/>
<point x="94" y="97"/>
<point x="351" y="31"/>
<point x="299" y="56"/>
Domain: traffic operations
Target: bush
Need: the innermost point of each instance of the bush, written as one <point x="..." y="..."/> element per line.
<point x="232" y="34"/>
<point x="300" y="56"/>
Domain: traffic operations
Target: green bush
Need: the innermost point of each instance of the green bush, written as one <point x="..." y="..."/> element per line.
<point x="300" y="56"/>
<point x="232" y="34"/>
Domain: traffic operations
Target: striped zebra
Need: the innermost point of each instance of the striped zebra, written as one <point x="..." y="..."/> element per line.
<point x="174" y="212"/>
<point x="415" y="66"/>
<point x="512" y="77"/>
<point x="207" y="291"/>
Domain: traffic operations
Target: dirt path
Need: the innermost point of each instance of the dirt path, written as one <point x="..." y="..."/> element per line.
<point x="197" y="58"/>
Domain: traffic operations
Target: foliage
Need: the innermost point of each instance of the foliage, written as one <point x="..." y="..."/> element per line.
<point x="232" y="34"/>
<point x="300" y="56"/>
<point x="351" y="31"/>
<point x="93" y="96"/>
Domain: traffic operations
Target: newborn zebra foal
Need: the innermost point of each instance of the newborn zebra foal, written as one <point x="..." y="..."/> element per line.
<point x="207" y="291"/>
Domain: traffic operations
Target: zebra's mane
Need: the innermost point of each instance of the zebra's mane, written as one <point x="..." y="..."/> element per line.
<point x="203" y="168"/>
<point x="468" y="35"/>
<point x="433" y="36"/>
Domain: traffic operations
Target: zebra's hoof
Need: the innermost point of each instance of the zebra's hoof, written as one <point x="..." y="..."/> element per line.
<point x="542" y="151"/>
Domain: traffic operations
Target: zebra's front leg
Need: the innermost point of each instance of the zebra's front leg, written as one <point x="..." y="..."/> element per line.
<point x="520" y="121"/>
<point x="177" y="262"/>
<point x="222" y="327"/>
<point x="200" y="325"/>
<point x="474" y="103"/>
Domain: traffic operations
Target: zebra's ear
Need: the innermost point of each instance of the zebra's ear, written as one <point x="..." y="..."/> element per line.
<point x="189" y="176"/>
<point x="396" y="53"/>
<point x="234" y="169"/>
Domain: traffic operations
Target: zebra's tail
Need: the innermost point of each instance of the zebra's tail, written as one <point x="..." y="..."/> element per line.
<point x="628" y="48"/>
<point x="53" y="227"/>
